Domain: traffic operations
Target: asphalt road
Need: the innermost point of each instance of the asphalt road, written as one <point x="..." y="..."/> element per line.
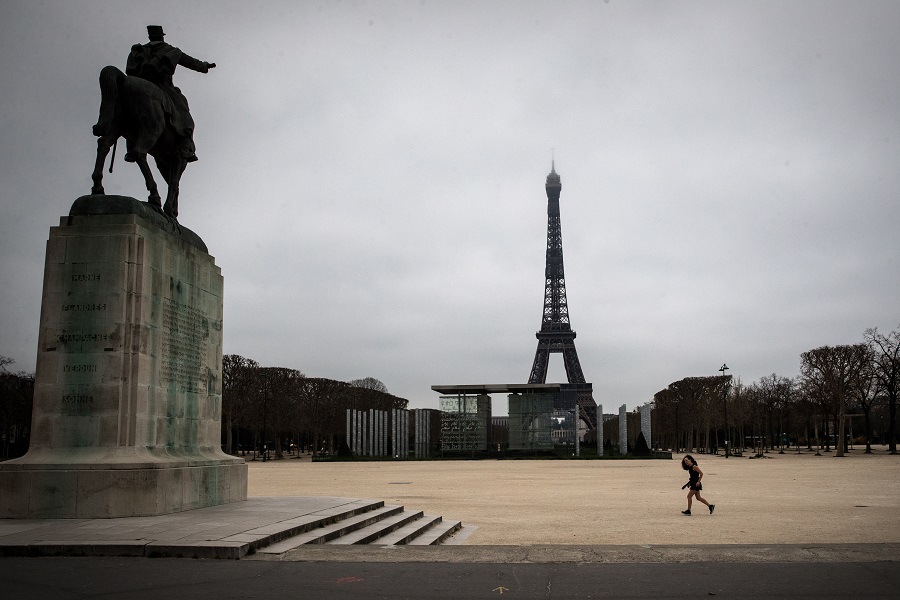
<point x="156" y="579"/>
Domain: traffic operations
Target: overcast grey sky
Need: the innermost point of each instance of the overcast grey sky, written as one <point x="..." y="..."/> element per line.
<point x="371" y="178"/>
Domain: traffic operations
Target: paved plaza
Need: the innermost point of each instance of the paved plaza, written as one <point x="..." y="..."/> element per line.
<point x="796" y="508"/>
<point x="781" y="499"/>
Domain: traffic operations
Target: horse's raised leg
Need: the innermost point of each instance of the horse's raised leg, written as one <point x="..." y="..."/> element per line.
<point x="153" y="199"/>
<point x="175" y="170"/>
<point x="104" y="143"/>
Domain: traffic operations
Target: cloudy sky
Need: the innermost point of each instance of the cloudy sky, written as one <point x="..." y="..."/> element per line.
<point x="371" y="178"/>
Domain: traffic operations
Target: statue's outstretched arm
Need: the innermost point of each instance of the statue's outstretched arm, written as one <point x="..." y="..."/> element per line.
<point x="195" y="65"/>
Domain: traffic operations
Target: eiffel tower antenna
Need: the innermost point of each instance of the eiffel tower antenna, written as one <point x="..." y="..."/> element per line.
<point x="556" y="334"/>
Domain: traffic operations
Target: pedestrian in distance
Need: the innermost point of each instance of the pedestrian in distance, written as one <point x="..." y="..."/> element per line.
<point x="690" y="465"/>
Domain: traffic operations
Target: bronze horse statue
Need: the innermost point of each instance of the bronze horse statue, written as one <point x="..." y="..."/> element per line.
<point x="138" y="110"/>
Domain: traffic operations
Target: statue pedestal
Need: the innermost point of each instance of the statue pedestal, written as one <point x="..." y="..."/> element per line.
<point x="127" y="402"/>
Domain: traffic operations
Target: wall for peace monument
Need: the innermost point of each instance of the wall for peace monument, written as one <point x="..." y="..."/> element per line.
<point x="127" y="404"/>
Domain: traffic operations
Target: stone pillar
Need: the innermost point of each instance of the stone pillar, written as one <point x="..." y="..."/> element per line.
<point x="382" y="433"/>
<point x="599" y="430"/>
<point x="395" y="434"/>
<point x="623" y="430"/>
<point x="356" y="425"/>
<point x="379" y="431"/>
<point x="576" y="424"/>
<point x="385" y="426"/>
<point x="416" y="432"/>
<point x="350" y="415"/>
<point x="400" y="433"/>
<point x="645" y="422"/>
<point x="423" y="433"/>
<point x="364" y="434"/>
<point x="370" y="430"/>
<point x="405" y="445"/>
<point x="357" y="432"/>
<point x="376" y="438"/>
<point x="127" y="403"/>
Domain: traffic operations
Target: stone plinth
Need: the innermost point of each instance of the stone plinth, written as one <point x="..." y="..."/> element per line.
<point x="127" y="403"/>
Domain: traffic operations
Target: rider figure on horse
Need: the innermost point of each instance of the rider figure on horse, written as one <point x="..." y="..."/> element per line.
<point x="156" y="62"/>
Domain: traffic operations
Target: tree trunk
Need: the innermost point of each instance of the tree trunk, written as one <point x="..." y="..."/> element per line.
<point x="840" y="441"/>
<point x="278" y="452"/>
<point x="868" y="429"/>
<point x="228" y="434"/>
<point x="892" y="430"/>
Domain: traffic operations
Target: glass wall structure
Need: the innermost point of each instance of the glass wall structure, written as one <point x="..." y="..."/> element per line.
<point x="465" y="423"/>
<point x="530" y="421"/>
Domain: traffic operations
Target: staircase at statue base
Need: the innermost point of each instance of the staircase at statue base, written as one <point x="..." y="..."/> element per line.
<point x="376" y="524"/>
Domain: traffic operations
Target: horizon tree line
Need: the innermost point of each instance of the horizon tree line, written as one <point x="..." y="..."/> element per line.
<point x="270" y="404"/>
<point x="16" y="401"/>
<point x="835" y="384"/>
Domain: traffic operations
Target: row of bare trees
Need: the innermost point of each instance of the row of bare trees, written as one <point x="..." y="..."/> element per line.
<point x="16" y="393"/>
<point x="836" y="383"/>
<point x="690" y="412"/>
<point x="262" y="405"/>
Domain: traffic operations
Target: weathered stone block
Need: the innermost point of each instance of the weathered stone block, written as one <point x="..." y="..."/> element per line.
<point x="50" y="493"/>
<point x="14" y="493"/>
<point x="127" y="393"/>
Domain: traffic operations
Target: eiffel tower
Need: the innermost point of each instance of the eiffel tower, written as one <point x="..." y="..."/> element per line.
<point x="556" y="334"/>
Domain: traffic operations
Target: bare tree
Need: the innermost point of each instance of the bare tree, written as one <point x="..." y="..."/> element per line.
<point x="819" y="402"/>
<point x="774" y="394"/>
<point x="282" y="391"/>
<point x="238" y="375"/>
<point x="665" y="419"/>
<point x="697" y="401"/>
<point x="739" y="413"/>
<point x="835" y="368"/>
<point x="864" y="393"/>
<point x="370" y="383"/>
<point x="323" y="403"/>
<point x="16" y="405"/>
<point x="887" y="374"/>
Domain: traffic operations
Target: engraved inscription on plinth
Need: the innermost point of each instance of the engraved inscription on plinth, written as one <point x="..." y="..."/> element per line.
<point x="184" y="335"/>
<point x="127" y="405"/>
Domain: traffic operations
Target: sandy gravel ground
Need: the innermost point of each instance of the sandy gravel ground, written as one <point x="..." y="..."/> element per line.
<point x="783" y="499"/>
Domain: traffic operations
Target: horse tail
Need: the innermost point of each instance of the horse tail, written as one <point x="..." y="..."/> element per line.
<point x="110" y="80"/>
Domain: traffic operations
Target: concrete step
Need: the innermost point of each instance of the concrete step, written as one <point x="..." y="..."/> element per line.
<point x="283" y="529"/>
<point x="409" y="532"/>
<point x="459" y="537"/>
<point x="372" y="533"/>
<point x="332" y="530"/>
<point x="436" y="534"/>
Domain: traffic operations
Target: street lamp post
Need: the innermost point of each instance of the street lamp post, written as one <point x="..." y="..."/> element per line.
<point x="677" y="447"/>
<point x="265" y="449"/>
<point x="725" y="404"/>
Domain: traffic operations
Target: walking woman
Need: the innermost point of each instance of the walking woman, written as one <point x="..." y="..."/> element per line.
<point x="690" y="465"/>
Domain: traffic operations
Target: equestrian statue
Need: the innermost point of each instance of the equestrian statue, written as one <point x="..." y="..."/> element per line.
<point x="144" y="106"/>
